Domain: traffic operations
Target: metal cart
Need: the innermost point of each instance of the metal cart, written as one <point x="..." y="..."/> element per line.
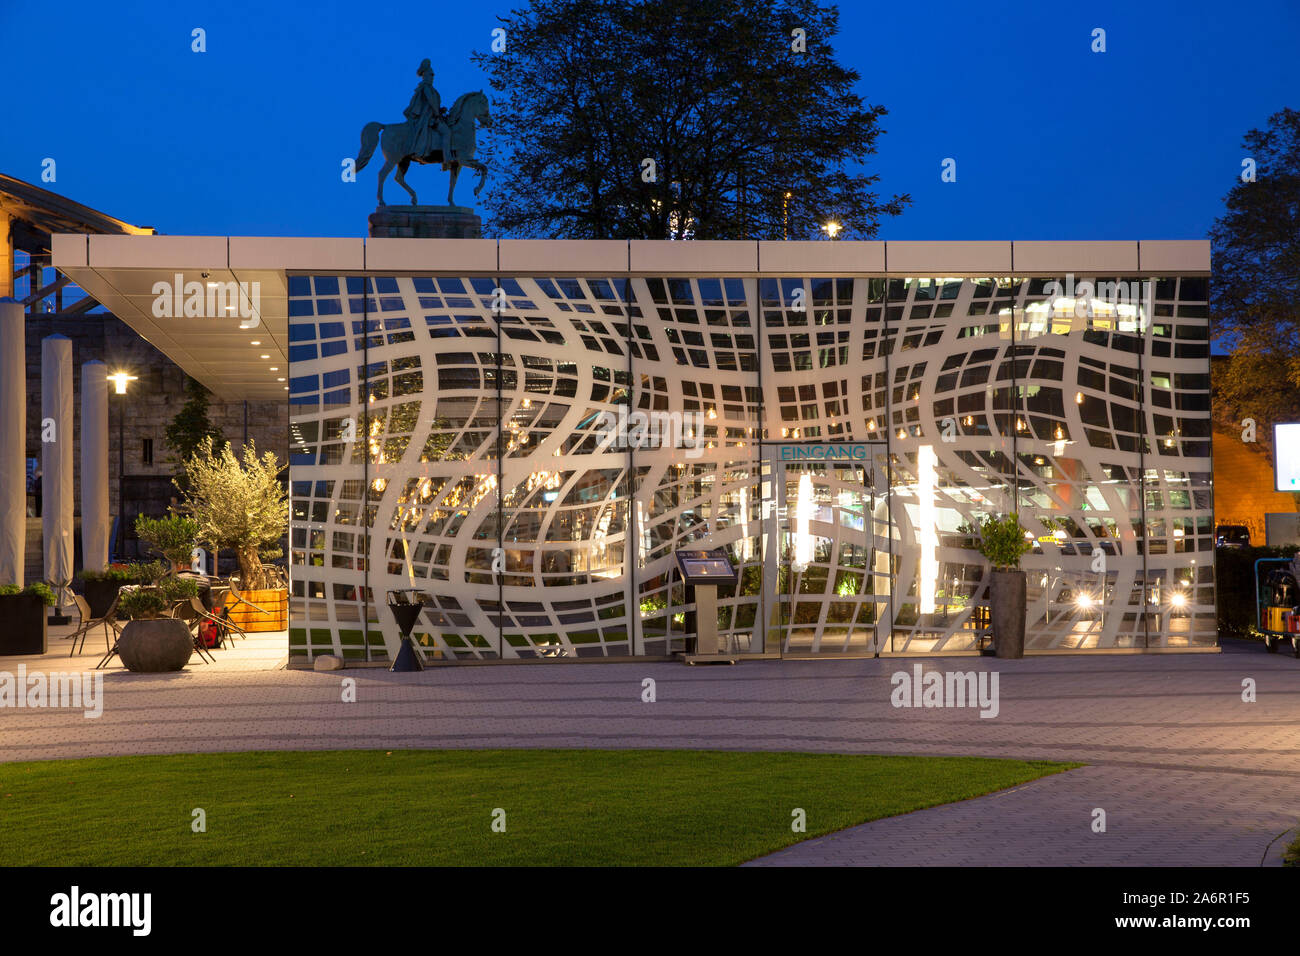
<point x="1277" y="603"/>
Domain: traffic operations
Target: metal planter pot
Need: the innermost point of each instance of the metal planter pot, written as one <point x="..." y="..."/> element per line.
<point x="1007" y="612"/>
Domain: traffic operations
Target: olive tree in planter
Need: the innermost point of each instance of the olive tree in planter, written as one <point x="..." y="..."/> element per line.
<point x="23" y="625"/>
<point x="151" y="641"/>
<point x="1002" y="542"/>
<point x="173" y="536"/>
<point x="241" y="505"/>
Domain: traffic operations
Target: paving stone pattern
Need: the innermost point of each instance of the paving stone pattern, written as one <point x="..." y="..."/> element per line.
<point x="1186" y="771"/>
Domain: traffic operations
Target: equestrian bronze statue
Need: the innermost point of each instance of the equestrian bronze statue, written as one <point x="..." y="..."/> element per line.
<point x="430" y="134"/>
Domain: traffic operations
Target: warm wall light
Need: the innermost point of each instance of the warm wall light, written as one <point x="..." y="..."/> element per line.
<point x="119" y="380"/>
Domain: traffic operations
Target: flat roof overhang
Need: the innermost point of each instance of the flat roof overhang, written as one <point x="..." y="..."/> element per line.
<point x="121" y="271"/>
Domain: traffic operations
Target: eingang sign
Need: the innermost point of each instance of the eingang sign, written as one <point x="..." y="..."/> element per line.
<point x="827" y="451"/>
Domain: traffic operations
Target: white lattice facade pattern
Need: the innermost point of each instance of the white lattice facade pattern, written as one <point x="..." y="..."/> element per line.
<point x="475" y="438"/>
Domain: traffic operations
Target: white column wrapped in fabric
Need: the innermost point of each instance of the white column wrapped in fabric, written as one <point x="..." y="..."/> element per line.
<point x="13" y="442"/>
<point x="95" y="521"/>
<point x="56" y="462"/>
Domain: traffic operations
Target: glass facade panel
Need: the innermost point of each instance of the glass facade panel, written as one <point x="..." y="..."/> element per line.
<point x="528" y="452"/>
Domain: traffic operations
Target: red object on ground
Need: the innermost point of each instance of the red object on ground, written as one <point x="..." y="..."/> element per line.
<point x="210" y="634"/>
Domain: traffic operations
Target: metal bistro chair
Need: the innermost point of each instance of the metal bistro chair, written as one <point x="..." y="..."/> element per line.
<point x="192" y="613"/>
<point x="219" y="610"/>
<point x="88" y="623"/>
<point x="224" y="626"/>
<point x="240" y="599"/>
<point x="112" y="612"/>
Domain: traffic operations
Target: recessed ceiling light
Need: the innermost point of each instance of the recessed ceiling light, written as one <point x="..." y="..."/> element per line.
<point x="279" y="380"/>
<point x="266" y="356"/>
<point x="275" y="368"/>
<point x="286" y="388"/>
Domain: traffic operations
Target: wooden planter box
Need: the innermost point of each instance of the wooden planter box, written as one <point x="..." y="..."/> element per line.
<point x="25" y="628"/>
<point x="274" y="601"/>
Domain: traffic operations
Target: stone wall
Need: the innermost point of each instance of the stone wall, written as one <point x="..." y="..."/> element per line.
<point x="149" y="405"/>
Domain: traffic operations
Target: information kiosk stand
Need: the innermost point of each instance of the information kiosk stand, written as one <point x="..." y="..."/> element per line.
<point x="702" y="571"/>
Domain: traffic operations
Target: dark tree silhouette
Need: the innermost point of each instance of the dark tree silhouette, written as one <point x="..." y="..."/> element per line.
<point x="191" y="425"/>
<point x="712" y="91"/>
<point x="1255" y="289"/>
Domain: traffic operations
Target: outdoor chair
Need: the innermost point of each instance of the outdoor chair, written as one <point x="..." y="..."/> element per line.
<point x="88" y="623"/>
<point x="193" y="613"/>
<point x="220" y="610"/>
<point x="200" y="614"/>
<point x="112" y="612"/>
<point x="239" y="599"/>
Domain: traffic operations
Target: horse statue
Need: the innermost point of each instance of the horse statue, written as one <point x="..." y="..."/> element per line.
<point x="457" y="150"/>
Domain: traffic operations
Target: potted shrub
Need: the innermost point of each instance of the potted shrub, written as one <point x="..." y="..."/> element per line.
<point x="173" y="536"/>
<point x="151" y="641"/>
<point x="25" y="629"/>
<point x="241" y="505"/>
<point x="101" y="587"/>
<point x="1002" y="542"/>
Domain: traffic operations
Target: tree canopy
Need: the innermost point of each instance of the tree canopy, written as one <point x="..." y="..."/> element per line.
<point x="239" y="505"/>
<point x="736" y="103"/>
<point x="1255" y="292"/>
<point x="185" y="432"/>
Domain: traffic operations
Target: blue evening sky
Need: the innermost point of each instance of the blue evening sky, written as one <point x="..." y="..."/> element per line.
<point x="1052" y="141"/>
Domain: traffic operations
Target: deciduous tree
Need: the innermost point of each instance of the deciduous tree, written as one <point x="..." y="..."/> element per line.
<point x="672" y="119"/>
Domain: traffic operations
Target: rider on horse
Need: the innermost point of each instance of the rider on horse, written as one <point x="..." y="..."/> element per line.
<point x="431" y="132"/>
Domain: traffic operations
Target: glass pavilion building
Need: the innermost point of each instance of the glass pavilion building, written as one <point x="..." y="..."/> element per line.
<point x="526" y="431"/>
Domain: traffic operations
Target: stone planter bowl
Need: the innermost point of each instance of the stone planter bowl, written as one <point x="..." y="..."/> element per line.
<point x="155" y="646"/>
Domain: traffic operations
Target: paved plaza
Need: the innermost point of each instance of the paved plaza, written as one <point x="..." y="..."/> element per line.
<point x="1185" y="770"/>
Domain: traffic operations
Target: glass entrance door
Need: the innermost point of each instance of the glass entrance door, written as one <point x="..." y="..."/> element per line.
<point x="827" y="551"/>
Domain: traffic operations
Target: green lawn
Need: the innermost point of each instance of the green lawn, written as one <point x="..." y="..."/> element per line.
<point x="434" y="807"/>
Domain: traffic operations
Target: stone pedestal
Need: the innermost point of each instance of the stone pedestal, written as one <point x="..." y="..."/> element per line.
<point x="425" y="222"/>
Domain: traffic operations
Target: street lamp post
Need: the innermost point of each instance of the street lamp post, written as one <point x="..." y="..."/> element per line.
<point x="119" y="380"/>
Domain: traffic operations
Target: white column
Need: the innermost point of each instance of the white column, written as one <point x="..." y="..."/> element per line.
<point x="13" y="442"/>
<point x="56" y="460"/>
<point x="95" y="521"/>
